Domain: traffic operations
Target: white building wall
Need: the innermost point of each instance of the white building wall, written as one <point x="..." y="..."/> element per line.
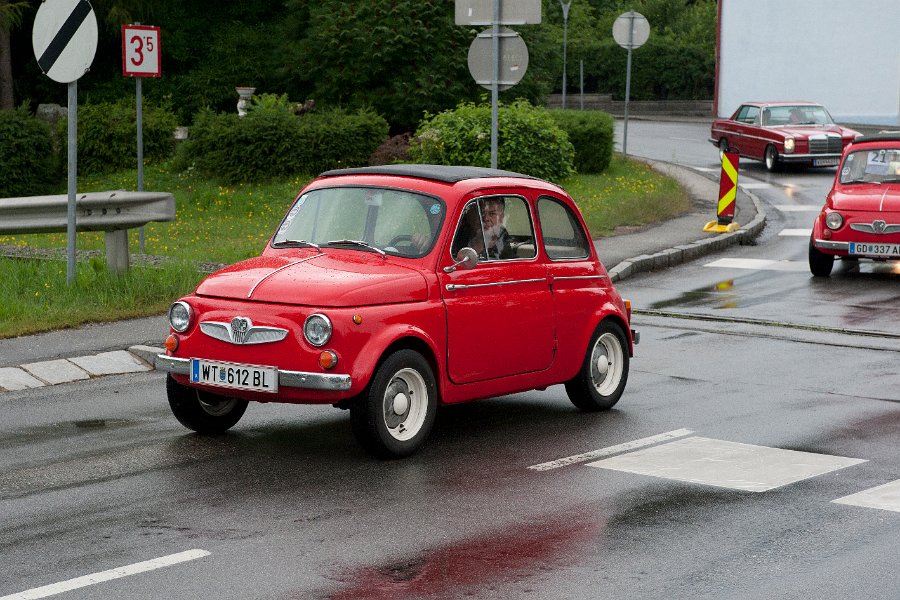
<point x="844" y="54"/>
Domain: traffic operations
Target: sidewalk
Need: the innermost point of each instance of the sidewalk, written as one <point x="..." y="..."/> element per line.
<point x="130" y="346"/>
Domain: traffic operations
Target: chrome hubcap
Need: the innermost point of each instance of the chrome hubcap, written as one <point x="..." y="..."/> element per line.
<point x="405" y="404"/>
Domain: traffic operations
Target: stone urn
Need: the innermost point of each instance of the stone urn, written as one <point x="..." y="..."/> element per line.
<point x="244" y="95"/>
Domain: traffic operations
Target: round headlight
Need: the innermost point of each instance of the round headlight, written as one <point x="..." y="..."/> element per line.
<point x="317" y="329"/>
<point x="789" y="145"/>
<point x="834" y="220"/>
<point x="180" y="315"/>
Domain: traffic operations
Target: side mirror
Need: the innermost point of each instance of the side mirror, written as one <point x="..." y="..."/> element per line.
<point x="466" y="258"/>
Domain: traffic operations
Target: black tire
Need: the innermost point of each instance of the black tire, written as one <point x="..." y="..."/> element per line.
<point x="723" y="148"/>
<point x="604" y="372"/>
<point x="202" y="411"/>
<point x="773" y="163"/>
<point x="395" y="414"/>
<point x="820" y="264"/>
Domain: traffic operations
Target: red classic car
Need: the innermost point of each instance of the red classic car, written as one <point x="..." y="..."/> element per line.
<point x="782" y="132"/>
<point x="861" y="216"/>
<point x="391" y="290"/>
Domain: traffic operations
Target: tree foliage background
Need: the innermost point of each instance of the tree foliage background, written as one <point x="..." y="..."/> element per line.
<point x="402" y="58"/>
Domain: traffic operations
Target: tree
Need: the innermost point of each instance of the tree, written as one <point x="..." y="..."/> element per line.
<point x="10" y="16"/>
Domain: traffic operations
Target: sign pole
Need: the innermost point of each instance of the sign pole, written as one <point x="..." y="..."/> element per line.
<point x="495" y="81"/>
<point x="72" y="120"/>
<point x="140" y="147"/>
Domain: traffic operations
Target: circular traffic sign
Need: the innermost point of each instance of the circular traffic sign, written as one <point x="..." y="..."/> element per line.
<point x="513" y="59"/>
<point x="64" y="38"/>
<point x="631" y="30"/>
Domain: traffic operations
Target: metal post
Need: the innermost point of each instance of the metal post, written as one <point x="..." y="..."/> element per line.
<point x="565" y="8"/>
<point x="72" y="121"/>
<point x="140" y="148"/>
<point x="581" y="86"/>
<point x="628" y="84"/>
<point x="495" y="83"/>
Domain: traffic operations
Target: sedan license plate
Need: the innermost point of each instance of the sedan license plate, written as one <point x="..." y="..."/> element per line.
<point x="877" y="250"/>
<point x="234" y="375"/>
<point x="826" y="162"/>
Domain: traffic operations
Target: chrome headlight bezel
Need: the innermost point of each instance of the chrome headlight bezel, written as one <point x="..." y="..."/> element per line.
<point x="181" y="316"/>
<point x="789" y="144"/>
<point x="317" y="329"/>
<point x="834" y="220"/>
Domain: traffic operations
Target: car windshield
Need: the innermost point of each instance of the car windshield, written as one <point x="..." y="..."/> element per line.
<point x="803" y="114"/>
<point x="367" y="219"/>
<point x="872" y="166"/>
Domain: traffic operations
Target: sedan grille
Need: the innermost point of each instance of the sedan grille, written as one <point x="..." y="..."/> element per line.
<point x="825" y="145"/>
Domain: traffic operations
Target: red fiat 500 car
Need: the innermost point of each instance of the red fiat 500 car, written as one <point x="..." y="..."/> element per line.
<point x="783" y="132"/>
<point x="391" y="290"/>
<point x="861" y="216"/>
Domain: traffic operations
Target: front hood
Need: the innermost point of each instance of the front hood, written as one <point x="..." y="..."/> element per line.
<point x="807" y="131"/>
<point x="329" y="280"/>
<point x="868" y="198"/>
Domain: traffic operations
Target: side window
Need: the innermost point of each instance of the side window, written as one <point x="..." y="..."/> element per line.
<point x="563" y="236"/>
<point x="741" y="115"/>
<point x="497" y="228"/>
<point x="753" y="115"/>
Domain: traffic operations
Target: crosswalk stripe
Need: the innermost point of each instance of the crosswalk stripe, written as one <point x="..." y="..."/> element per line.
<point x="795" y="232"/>
<point x="885" y="497"/>
<point x="799" y="207"/>
<point x="759" y="264"/>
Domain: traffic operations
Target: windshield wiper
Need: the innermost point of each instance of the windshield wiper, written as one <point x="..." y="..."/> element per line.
<point x="359" y="243"/>
<point x="295" y="244"/>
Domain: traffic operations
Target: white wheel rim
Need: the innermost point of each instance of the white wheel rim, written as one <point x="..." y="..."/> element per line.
<point x="405" y="404"/>
<point x="770" y="158"/>
<point x="607" y="364"/>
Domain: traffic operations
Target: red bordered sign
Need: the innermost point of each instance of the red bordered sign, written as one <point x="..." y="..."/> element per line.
<point x="141" y="56"/>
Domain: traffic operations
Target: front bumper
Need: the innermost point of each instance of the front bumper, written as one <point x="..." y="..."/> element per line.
<point x="812" y="157"/>
<point x="293" y="379"/>
<point x="834" y="246"/>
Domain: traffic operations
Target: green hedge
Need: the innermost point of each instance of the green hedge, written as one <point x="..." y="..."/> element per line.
<point x="107" y="135"/>
<point x="591" y="133"/>
<point x="529" y="140"/>
<point x="29" y="164"/>
<point x="271" y="141"/>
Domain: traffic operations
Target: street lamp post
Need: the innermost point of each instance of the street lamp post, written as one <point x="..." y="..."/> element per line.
<point x="565" y="10"/>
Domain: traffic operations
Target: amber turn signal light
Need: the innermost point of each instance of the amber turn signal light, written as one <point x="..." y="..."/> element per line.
<point x="327" y="359"/>
<point x="171" y="343"/>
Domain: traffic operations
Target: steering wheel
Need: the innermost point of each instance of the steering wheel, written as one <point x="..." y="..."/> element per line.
<point x="400" y="238"/>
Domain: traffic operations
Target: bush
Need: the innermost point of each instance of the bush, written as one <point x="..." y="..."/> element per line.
<point x="270" y="141"/>
<point x="394" y="150"/>
<point x="591" y="133"/>
<point x="29" y="165"/>
<point x="529" y="140"/>
<point x="107" y="135"/>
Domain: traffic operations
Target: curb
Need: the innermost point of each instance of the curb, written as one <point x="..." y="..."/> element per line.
<point x="688" y="252"/>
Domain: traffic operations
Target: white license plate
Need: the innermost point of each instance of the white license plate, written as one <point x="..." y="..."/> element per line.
<point x="879" y="250"/>
<point x="234" y="375"/>
<point x="826" y="162"/>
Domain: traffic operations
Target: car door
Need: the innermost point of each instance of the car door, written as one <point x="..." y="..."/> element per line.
<point x="500" y="313"/>
<point x="580" y="285"/>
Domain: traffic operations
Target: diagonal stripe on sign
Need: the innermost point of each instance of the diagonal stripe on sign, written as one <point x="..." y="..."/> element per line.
<point x="64" y="35"/>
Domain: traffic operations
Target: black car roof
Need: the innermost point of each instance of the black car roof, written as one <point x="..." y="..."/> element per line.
<point x="884" y="136"/>
<point x="443" y="173"/>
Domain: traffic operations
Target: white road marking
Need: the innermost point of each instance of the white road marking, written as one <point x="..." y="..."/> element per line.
<point x="608" y="451"/>
<point x="799" y="207"/>
<point x="706" y="169"/>
<point x="885" y="497"/>
<point x="795" y="232"/>
<point x="86" y="580"/>
<point x="759" y="264"/>
<point x="755" y="186"/>
<point x="726" y="464"/>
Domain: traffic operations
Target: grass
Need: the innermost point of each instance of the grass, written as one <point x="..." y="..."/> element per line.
<point x="224" y="224"/>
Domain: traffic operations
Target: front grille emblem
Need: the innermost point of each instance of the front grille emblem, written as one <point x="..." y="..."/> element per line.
<point x="879" y="226"/>
<point x="239" y="328"/>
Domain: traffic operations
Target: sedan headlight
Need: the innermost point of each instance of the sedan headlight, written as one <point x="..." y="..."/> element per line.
<point x="834" y="220"/>
<point x="180" y="316"/>
<point x="317" y="329"/>
<point x="789" y="145"/>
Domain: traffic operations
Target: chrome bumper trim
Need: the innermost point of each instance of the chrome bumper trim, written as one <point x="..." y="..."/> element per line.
<point x="793" y="157"/>
<point x="295" y="379"/>
<point x="826" y="245"/>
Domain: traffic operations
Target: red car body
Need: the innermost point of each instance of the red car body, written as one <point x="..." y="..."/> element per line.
<point x="782" y="132"/>
<point x="546" y="314"/>
<point x="861" y="215"/>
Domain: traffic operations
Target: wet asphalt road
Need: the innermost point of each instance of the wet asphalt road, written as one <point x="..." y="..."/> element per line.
<point x="99" y="475"/>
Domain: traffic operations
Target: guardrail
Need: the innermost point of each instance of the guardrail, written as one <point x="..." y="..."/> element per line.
<point x="112" y="212"/>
